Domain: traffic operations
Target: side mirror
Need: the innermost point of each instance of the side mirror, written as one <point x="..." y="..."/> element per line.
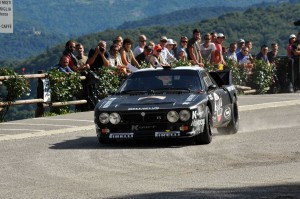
<point x="212" y="87"/>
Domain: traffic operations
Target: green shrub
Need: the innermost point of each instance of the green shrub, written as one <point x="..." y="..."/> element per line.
<point x="12" y="89"/>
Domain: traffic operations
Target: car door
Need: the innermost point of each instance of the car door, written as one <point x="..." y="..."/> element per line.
<point x="218" y="97"/>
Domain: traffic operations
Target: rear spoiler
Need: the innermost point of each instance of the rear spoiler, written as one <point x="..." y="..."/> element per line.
<point x="222" y="77"/>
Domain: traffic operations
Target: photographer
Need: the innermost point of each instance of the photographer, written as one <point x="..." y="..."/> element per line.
<point x="98" y="57"/>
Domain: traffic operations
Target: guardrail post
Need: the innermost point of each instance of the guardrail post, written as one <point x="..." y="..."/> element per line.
<point x="39" y="112"/>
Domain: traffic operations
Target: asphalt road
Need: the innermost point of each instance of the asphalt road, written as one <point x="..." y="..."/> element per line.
<point x="59" y="157"/>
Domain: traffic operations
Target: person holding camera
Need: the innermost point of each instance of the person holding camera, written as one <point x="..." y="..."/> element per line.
<point x="98" y="57"/>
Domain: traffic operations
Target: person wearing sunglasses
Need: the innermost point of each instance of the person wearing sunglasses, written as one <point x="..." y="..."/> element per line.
<point x="208" y="49"/>
<point x="181" y="51"/>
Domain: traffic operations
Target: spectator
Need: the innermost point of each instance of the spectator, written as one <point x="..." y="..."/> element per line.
<point x="82" y="59"/>
<point x="141" y="45"/>
<point x="296" y="56"/>
<point x="170" y="46"/>
<point x="127" y="54"/>
<point x="115" y="60"/>
<point x="218" y="58"/>
<point x="151" y="44"/>
<point x="156" y="58"/>
<point x="273" y="53"/>
<point x="119" y="41"/>
<point x="98" y="57"/>
<point x="249" y="45"/>
<point x="144" y="56"/>
<point x="230" y="54"/>
<point x="213" y="37"/>
<point x="69" y="52"/>
<point x="241" y="44"/>
<point x="193" y="49"/>
<point x="262" y="55"/>
<point x="292" y="39"/>
<point x="244" y="60"/>
<point x="165" y="54"/>
<point x="181" y="51"/>
<point x="63" y="65"/>
<point x="208" y="49"/>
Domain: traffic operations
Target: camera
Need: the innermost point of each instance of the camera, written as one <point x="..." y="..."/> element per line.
<point x="101" y="49"/>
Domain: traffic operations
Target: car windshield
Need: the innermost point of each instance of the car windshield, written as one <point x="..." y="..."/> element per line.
<point x="166" y="80"/>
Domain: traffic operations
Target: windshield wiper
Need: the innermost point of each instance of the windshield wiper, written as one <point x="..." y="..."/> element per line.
<point x="172" y="90"/>
<point x="133" y="92"/>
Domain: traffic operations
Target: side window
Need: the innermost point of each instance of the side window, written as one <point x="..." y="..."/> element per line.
<point x="206" y="79"/>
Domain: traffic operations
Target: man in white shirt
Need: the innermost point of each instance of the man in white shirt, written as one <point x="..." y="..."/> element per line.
<point x="140" y="48"/>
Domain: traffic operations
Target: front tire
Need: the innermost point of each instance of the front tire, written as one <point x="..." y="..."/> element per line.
<point x="206" y="136"/>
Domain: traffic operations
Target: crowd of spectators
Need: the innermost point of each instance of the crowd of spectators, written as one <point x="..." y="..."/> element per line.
<point x="209" y="51"/>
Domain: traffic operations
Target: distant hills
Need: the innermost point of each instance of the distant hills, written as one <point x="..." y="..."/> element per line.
<point x="260" y="25"/>
<point x="42" y="24"/>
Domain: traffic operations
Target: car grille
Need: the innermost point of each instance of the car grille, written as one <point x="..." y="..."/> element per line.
<point x="143" y="117"/>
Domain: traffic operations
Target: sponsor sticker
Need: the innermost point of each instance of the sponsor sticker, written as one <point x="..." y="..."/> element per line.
<point x="227" y="113"/>
<point x="143" y="108"/>
<point x="167" y="134"/>
<point x="121" y="135"/>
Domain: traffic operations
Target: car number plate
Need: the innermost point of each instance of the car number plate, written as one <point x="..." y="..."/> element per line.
<point x="121" y="135"/>
<point x="167" y="134"/>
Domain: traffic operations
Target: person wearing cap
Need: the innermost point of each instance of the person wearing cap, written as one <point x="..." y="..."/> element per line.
<point x="141" y="45"/>
<point x="144" y="56"/>
<point x="193" y="49"/>
<point x="218" y="54"/>
<point x="292" y="39"/>
<point x="156" y="59"/>
<point x="241" y="44"/>
<point x="170" y="46"/>
<point x="166" y="55"/>
<point x="296" y="57"/>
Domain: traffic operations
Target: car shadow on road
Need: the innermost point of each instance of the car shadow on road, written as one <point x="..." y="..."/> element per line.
<point x="92" y="143"/>
<point x="282" y="191"/>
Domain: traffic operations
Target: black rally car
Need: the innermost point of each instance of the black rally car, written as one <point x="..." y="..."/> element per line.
<point x="169" y="103"/>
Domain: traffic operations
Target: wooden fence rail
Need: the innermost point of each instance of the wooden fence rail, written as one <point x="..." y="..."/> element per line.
<point x="40" y="101"/>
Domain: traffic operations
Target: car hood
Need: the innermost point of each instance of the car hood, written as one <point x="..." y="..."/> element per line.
<point x="149" y="102"/>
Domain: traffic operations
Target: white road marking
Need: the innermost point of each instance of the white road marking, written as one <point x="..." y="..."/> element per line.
<point x="268" y="105"/>
<point x="91" y="127"/>
<point x="45" y="133"/>
<point x="29" y="124"/>
<point x="53" y="119"/>
<point x="21" y="130"/>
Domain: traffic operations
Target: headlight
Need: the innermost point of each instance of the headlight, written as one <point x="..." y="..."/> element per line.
<point x="172" y="116"/>
<point x="104" y="118"/>
<point x="184" y="115"/>
<point x="114" y="118"/>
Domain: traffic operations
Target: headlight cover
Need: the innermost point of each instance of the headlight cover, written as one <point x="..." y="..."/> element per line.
<point x="184" y="115"/>
<point x="172" y="116"/>
<point x="104" y="118"/>
<point x="114" y="118"/>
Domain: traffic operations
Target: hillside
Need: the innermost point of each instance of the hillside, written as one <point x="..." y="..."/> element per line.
<point x="58" y="20"/>
<point x="256" y="24"/>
